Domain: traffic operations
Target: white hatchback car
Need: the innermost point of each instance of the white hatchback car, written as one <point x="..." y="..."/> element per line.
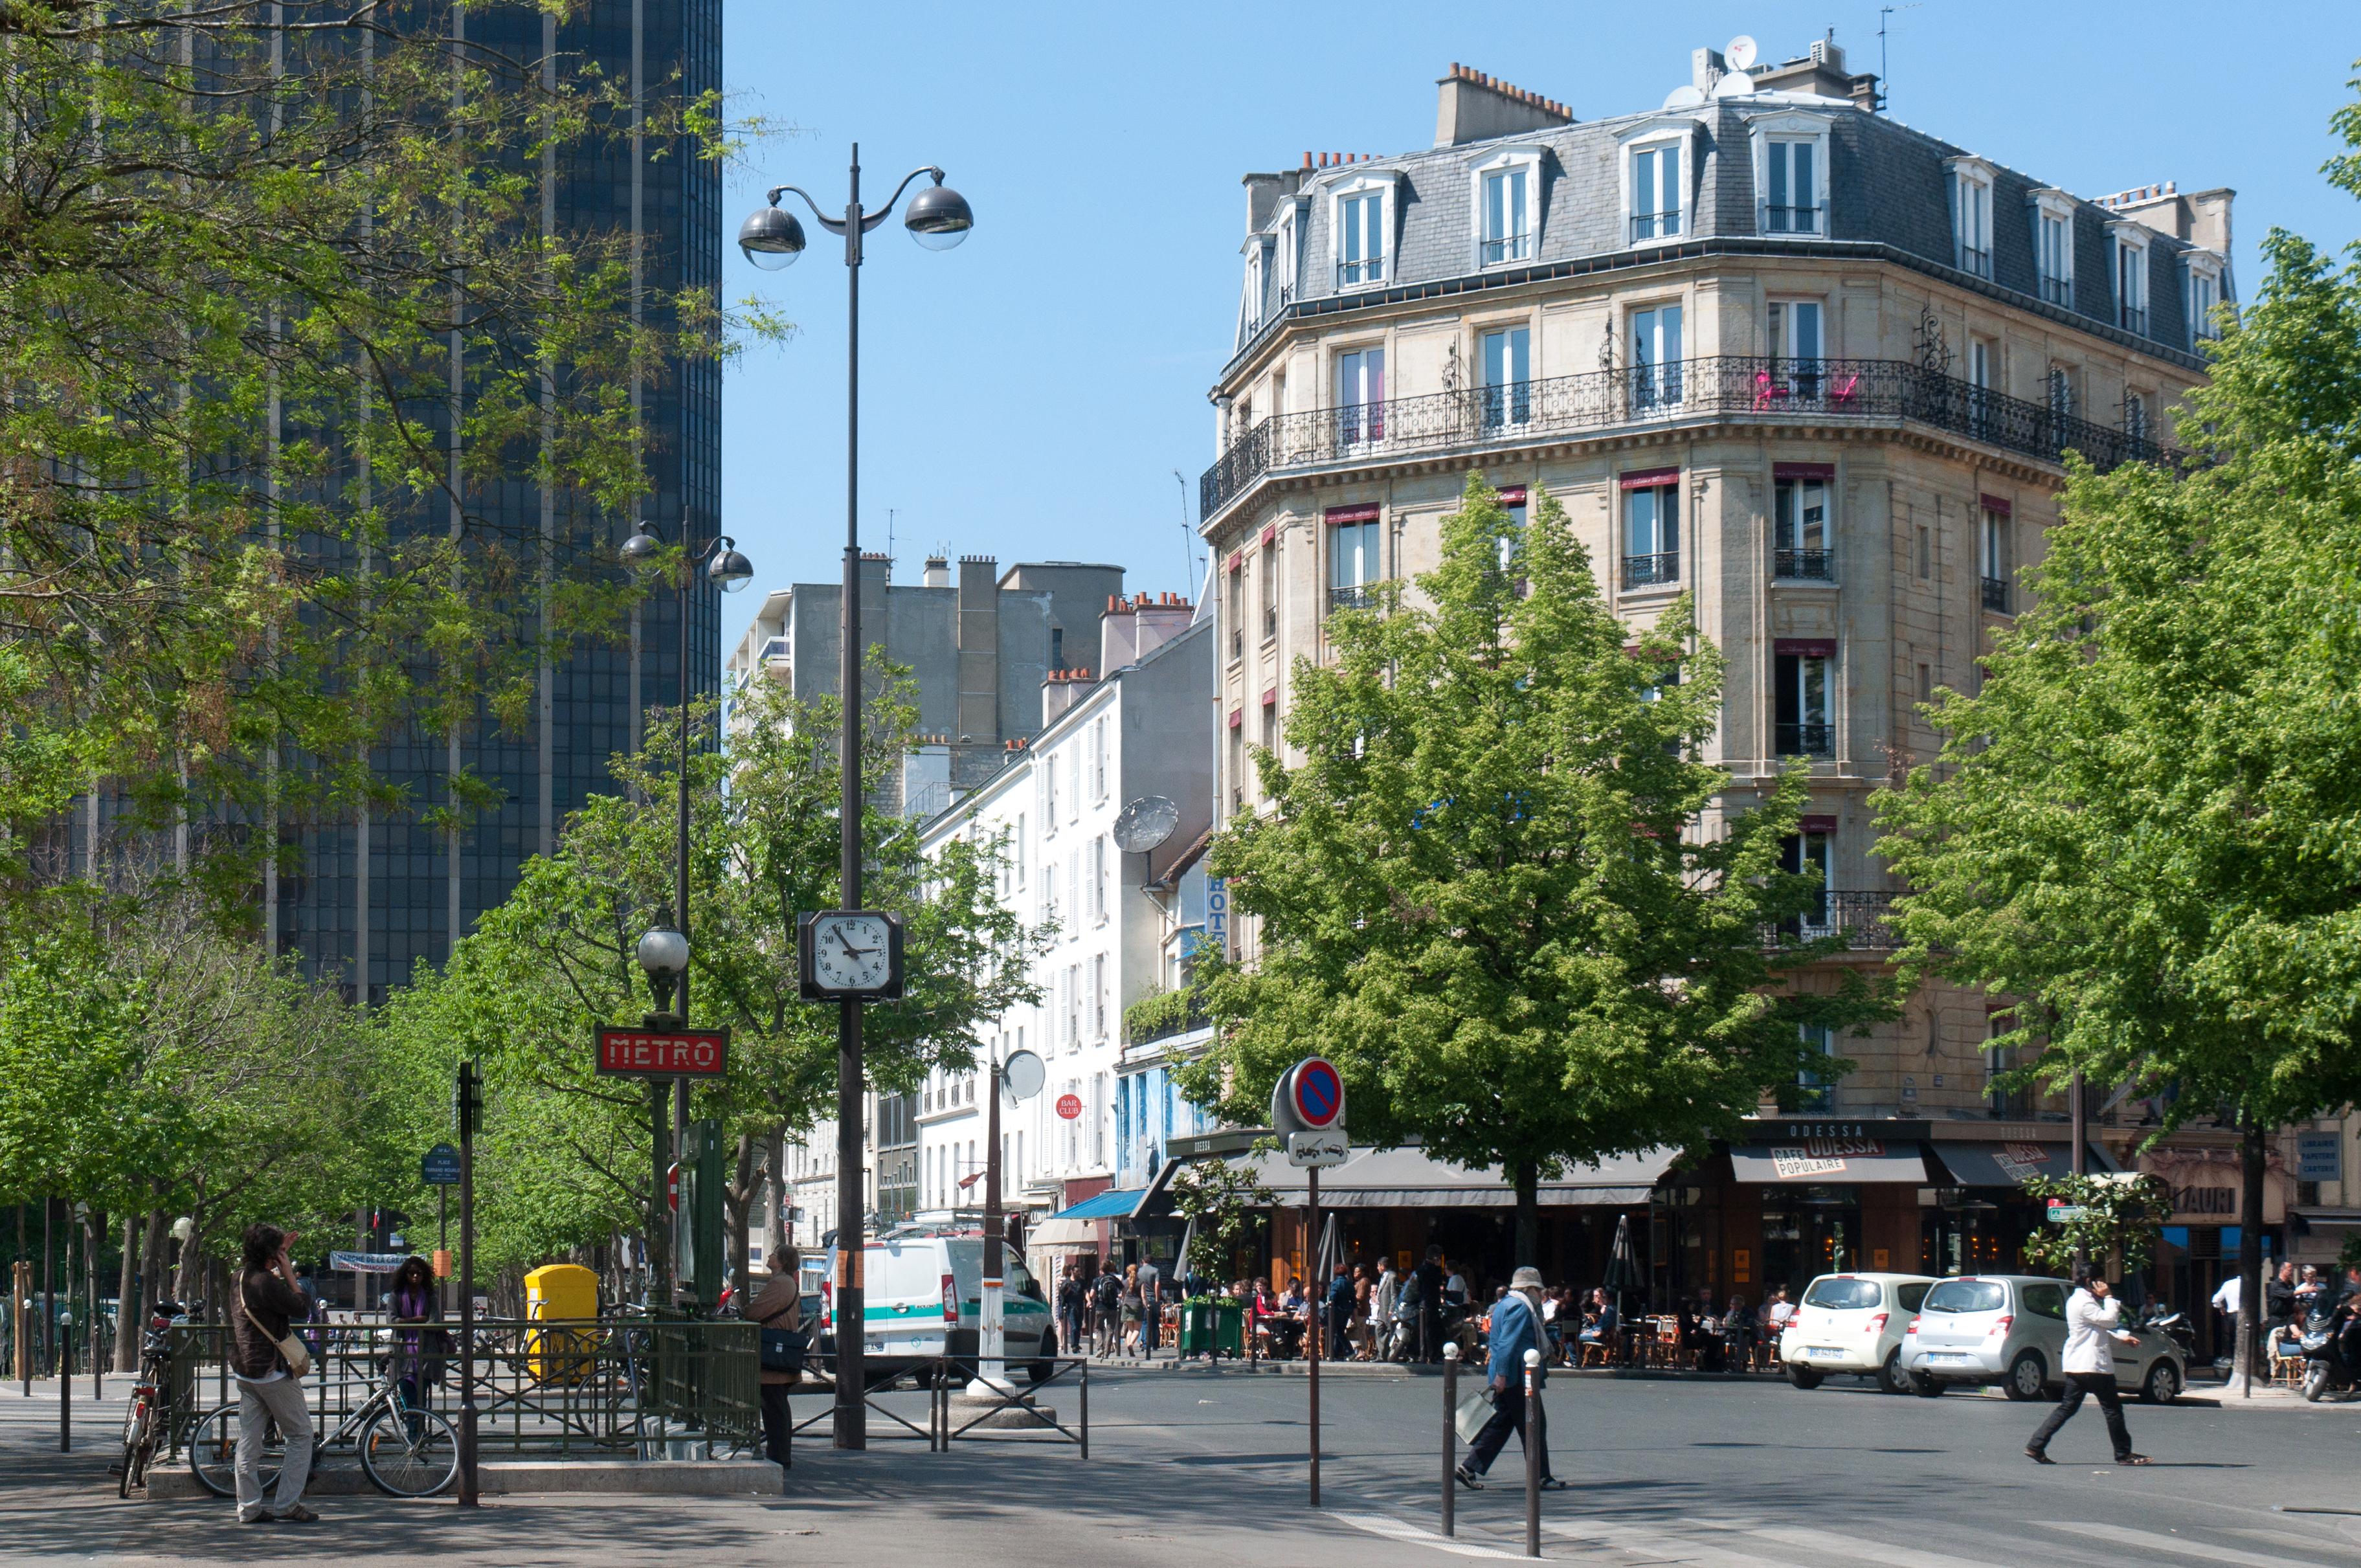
<point x="1852" y="1324"/>
<point x="2010" y="1328"/>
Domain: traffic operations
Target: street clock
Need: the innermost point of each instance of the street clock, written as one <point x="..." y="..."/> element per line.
<point x="849" y="952"/>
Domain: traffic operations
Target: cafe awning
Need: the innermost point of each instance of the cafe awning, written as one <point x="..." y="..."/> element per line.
<point x="2011" y="1164"/>
<point x="1078" y="1226"/>
<point x="1410" y="1179"/>
<point x="1830" y="1162"/>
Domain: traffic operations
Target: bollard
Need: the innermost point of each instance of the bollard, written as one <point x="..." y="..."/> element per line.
<point x="1533" y="1453"/>
<point x="1450" y="1438"/>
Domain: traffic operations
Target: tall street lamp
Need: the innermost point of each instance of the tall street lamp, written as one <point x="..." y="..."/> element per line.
<point x="663" y="951"/>
<point x="772" y="237"/>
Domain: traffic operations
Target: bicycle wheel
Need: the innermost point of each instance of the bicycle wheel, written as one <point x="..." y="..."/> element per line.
<point x="409" y="1454"/>
<point x="213" y="1454"/>
<point x="135" y="1423"/>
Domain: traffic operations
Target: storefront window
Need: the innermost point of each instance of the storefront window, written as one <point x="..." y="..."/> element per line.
<point x="1808" y="1232"/>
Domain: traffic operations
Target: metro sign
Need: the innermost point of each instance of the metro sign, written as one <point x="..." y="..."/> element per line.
<point x="651" y="1053"/>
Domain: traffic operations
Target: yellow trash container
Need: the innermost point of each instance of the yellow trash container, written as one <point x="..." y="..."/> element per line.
<point x="553" y="1293"/>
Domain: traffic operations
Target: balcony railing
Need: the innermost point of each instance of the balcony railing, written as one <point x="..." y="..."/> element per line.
<point x="2134" y="320"/>
<point x="1741" y="387"/>
<point x="1363" y="595"/>
<point x="1814" y="737"/>
<point x="1978" y="262"/>
<point x="1996" y="594"/>
<point x="1656" y="225"/>
<point x="1817" y="565"/>
<point x="1863" y="920"/>
<point x="1651" y="571"/>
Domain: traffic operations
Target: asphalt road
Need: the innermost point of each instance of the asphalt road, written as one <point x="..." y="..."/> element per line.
<point x="1665" y="1474"/>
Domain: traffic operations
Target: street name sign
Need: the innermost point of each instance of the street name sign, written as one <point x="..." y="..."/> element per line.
<point x="662" y="1053"/>
<point x="439" y="1167"/>
<point x="1319" y="1150"/>
<point x="2067" y="1213"/>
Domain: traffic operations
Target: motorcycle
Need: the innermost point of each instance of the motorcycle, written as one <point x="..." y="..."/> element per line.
<point x="2328" y="1344"/>
<point x="2174" y="1326"/>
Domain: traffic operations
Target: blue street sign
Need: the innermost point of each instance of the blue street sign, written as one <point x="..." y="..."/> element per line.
<point x="2320" y="1156"/>
<point x="440" y="1167"/>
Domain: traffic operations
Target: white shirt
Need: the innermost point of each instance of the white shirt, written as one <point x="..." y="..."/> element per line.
<point x="2089" y="1323"/>
<point x="2232" y="1291"/>
<point x="1780" y="1311"/>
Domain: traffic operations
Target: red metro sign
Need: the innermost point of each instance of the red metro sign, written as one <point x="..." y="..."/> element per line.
<point x="651" y="1052"/>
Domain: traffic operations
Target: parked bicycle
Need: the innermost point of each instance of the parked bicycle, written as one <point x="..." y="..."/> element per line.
<point x="150" y="1415"/>
<point x="406" y="1451"/>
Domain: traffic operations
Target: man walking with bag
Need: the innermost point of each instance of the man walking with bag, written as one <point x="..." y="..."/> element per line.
<point x="270" y="1363"/>
<point x="2090" y="1368"/>
<point x="1516" y="1329"/>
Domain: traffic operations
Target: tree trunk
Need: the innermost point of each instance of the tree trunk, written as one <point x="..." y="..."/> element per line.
<point x="774" y="1212"/>
<point x="131" y="1285"/>
<point x="155" y="1261"/>
<point x="2250" y="1258"/>
<point x="94" y="1244"/>
<point x="737" y="1199"/>
<point x="1529" y="1215"/>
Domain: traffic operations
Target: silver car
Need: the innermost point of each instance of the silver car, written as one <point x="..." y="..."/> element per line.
<point x="2010" y="1328"/>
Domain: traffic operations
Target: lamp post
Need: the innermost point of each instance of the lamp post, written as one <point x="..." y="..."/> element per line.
<point x="663" y="951"/>
<point x="772" y="237"/>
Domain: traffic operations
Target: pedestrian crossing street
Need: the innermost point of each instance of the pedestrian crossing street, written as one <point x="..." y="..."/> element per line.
<point x="1765" y="1543"/>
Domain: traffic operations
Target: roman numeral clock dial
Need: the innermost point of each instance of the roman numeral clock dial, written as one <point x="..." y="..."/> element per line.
<point x="850" y="952"/>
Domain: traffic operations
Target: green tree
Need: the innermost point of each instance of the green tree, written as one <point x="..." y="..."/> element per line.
<point x="1502" y="891"/>
<point x="2144" y="829"/>
<point x="1219" y="1200"/>
<point x="2121" y="1218"/>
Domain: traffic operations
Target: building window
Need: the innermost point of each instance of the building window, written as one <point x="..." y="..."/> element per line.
<point x="1799" y="525"/>
<point x="2007" y="1105"/>
<point x="2135" y="422"/>
<point x="1361" y="237"/>
<point x="1508" y="215"/>
<point x="1353" y="543"/>
<point x="1512" y="508"/>
<point x="2053" y="245"/>
<point x="1507" y="393"/>
<point x="1800" y="677"/>
<point x="1980" y="406"/>
<point x="1993" y="556"/>
<point x="1816" y="1089"/>
<point x="1099" y="759"/>
<point x="1267" y="569"/>
<point x="1971" y="191"/>
<point x="1250" y="302"/>
<point x="2130" y="280"/>
<point x="1270" y="723"/>
<point x="1289" y="236"/>
<point x="1655" y="178"/>
<point x="1794" y="332"/>
<point x="1656" y="356"/>
<point x="1238" y="598"/>
<point x="1098" y="996"/>
<point x="1050" y="793"/>
<point x="2060" y="387"/>
<point x="1099" y="880"/>
<point x="1361" y="396"/>
<point x="1651" y="530"/>
<point x="1926" y="552"/>
<point x="2202" y="295"/>
<point x="1792" y="173"/>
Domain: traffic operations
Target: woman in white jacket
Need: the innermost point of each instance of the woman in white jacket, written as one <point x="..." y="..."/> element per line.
<point x="2090" y="1368"/>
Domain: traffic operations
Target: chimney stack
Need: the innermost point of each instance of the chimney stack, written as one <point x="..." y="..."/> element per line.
<point x="1472" y="107"/>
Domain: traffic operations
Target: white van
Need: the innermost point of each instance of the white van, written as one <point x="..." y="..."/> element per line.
<point x="1853" y="1324"/>
<point x="924" y="1298"/>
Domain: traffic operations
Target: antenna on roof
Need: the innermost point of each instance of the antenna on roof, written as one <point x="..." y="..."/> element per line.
<point x="1883" y="94"/>
<point x="1187" y="541"/>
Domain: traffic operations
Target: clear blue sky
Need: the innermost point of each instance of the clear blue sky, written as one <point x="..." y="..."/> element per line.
<point x="1029" y="394"/>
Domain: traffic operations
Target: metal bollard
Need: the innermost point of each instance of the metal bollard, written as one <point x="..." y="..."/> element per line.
<point x="1450" y="1438"/>
<point x="1533" y="1453"/>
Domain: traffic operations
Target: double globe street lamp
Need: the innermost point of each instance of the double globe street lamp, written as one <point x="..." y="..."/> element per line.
<point x="772" y="237"/>
<point x="663" y="951"/>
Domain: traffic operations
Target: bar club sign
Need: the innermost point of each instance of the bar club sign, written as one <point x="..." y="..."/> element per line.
<point x="662" y="1053"/>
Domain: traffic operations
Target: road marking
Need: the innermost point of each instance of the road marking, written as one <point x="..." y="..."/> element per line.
<point x="1829" y="1542"/>
<point x="2289" y="1538"/>
<point x="1665" y="1545"/>
<point x="2156" y="1543"/>
<point x="1396" y="1529"/>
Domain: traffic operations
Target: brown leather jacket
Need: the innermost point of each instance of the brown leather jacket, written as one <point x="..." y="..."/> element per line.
<point x="276" y="1303"/>
<point x="778" y="1305"/>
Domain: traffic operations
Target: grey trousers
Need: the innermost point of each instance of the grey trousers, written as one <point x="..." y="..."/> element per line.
<point x="259" y="1405"/>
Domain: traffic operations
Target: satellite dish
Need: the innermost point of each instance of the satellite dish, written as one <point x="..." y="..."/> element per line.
<point x="1736" y="84"/>
<point x="1021" y="1075"/>
<point x="1739" y="52"/>
<point x="1684" y="97"/>
<point x="1145" y="823"/>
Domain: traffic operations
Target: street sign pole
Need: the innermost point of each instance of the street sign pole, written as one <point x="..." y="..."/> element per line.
<point x="470" y="1106"/>
<point x="1319" y="1322"/>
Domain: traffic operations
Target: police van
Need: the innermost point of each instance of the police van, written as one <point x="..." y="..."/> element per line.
<point x="924" y="1298"/>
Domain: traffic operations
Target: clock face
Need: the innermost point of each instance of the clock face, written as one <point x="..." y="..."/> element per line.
<point x="851" y="952"/>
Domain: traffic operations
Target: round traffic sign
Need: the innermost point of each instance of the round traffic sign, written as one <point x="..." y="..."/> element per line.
<point x="1069" y="1106"/>
<point x="1319" y="1094"/>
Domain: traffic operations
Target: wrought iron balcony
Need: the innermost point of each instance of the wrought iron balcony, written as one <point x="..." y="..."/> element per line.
<point x="1656" y="225"/>
<point x="1996" y="594"/>
<point x="1733" y="388"/>
<point x="1812" y="739"/>
<point x="1863" y="920"/>
<point x="1362" y="596"/>
<point x="2134" y="320"/>
<point x="1978" y="262"/>
<point x="1651" y="571"/>
<point x="1817" y="566"/>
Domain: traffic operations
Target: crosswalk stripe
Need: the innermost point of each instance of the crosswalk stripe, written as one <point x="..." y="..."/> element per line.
<point x="2152" y="1541"/>
<point x="2305" y="1542"/>
<point x="1396" y="1529"/>
<point x="1662" y="1545"/>
<point x="1830" y="1543"/>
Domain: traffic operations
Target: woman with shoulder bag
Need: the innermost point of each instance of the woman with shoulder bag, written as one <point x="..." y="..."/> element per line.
<point x="778" y="1313"/>
<point x="270" y="1363"/>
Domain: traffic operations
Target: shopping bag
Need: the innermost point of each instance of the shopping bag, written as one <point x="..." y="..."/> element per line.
<point x="1474" y="1411"/>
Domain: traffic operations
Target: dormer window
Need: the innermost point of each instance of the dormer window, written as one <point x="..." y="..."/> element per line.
<point x="2053" y="245"/>
<point x="1654" y="177"/>
<point x="1250" y="301"/>
<point x="1791" y="174"/>
<point x="1363" y="227"/>
<point x="1286" y="252"/>
<point x="1971" y="196"/>
<point x="2130" y="275"/>
<point x="1507" y="202"/>
<point x="2200" y="294"/>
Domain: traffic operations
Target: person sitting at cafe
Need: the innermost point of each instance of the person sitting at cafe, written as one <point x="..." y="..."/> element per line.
<point x="1737" y="1334"/>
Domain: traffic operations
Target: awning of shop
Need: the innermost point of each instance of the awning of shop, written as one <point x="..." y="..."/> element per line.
<point x="1077" y="1226"/>
<point x="1830" y="1162"/>
<point x="1410" y="1179"/>
<point x="2348" y="1218"/>
<point x="2011" y="1164"/>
